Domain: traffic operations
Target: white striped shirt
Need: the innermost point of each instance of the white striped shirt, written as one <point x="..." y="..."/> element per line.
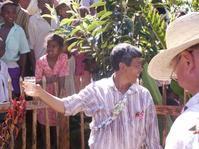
<point x="135" y="128"/>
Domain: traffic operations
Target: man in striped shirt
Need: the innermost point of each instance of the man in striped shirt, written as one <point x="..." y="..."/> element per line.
<point x="123" y="113"/>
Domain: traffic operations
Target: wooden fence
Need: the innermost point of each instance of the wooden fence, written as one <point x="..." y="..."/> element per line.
<point x="36" y="104"/>
<point x="63" y="131"/>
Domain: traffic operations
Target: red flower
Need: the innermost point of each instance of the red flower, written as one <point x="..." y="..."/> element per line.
<point x="13" y="121"/>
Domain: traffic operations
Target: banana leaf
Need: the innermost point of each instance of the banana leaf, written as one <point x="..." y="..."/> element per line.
<point x="151" y="85"/>
<point x="177" y="90"/>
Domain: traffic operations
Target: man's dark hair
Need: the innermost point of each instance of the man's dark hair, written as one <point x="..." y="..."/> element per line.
<point x="7" y="3"/>
<point x="56" y="38"/>
<point x="123" y="53"/>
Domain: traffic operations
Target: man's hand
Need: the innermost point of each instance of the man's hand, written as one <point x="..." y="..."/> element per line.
<point x="31" y="89"/>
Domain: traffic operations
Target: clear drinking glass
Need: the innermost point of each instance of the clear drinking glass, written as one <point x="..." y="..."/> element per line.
<point x="30" y="79"/>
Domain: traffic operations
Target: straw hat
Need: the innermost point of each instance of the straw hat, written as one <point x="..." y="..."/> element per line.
<point x="180" y="35"/>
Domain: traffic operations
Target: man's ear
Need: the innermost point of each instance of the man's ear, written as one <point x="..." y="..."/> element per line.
<point x="122" y="66"/>
<point x="188" y="59"/>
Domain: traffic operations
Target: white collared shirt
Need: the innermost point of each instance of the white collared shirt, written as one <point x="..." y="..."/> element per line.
<point x="4" y="76"/>
<point x="135" y="127"/>
<point x="180" y="135"/>
<point x="38" y="29"/>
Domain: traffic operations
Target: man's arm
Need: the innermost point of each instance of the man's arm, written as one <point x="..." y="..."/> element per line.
<point x="54" y="102"/>
<point x="70" y="105"/>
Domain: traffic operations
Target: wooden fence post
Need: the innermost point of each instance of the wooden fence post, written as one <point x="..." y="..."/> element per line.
<point x="34" y="128"/>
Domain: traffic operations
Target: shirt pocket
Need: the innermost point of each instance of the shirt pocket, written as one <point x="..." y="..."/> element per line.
<point x="137" y="122"/>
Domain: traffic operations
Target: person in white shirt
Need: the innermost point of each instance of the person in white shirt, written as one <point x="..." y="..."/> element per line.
<point x="181" y="62"/>
<point x="39" y="28"/>
<point x="4" y="77"/>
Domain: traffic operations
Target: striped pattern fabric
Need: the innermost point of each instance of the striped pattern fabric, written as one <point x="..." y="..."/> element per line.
<point x="135" y="128"/>
<point x="22" y="19"/>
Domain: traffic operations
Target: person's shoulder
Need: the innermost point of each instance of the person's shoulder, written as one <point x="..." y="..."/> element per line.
<point x="181" y="132"/>
<point x="34" y="17"/>
<point x="63" y="56"/>
<point x="141" y="89"/>
<point x="42" y="58"/>
<point x="102" y="83"/>
<point x="18" y="28"/>
<point x="187" y="118"/>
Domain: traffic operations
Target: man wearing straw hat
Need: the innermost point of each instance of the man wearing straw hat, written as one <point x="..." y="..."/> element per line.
<point x="180" y="61"/>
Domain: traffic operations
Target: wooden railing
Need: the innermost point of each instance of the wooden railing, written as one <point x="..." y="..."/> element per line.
<point x="63" y="125"/>
<point x="36" y="104"/>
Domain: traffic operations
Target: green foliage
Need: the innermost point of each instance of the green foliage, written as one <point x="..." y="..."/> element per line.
<point x="149" y="31"/>
<point x="195" y="5"/>
<point x="98" y="33"/>
<point x="150" y="83"/>
<point x="156" y="23"/>
<point x="177" y="89"/>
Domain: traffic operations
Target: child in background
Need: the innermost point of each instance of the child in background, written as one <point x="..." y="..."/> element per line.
<point x="15" y="44"/>
<point x="61" y="10"/>
<point x="53" y="66"/>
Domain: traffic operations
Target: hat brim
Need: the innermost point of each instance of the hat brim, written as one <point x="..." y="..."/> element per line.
<point x="160" y="66"/>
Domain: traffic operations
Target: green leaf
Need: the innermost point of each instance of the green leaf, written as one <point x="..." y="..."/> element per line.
<point x="49" y="16"/>
<point x="97" y="31"/>
<point x="101" y="13"/>
<point x="73" y="45"/>
<point x="74" y="31"/>
<point x="177" y="89"/>
<point x="98" y="4"/>
<point x="151" y="85"/>
<point x="85" y="25"/>
<point x="156" y="23"/>
<point x="94" y="25"/>
<point x="66" y="21"/>
<point x="107" y="14"/>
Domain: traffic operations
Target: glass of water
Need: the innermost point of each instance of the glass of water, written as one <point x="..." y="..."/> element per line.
<point x="30" y="79"/>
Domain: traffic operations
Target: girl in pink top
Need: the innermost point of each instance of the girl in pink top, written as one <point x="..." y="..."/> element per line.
<point x="53" y="66"/>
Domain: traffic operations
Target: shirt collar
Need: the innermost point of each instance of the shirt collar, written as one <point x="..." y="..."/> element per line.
<point x="13" y="27"/>
<point x="133" y="88"/>
<point x="194" y="100"/>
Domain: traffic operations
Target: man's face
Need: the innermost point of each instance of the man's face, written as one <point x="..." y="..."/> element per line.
<point x="133" y="71"/>
<point x="186" y="69"/>
<point x="9" y="13"/>
<point x="62" y="11"/>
